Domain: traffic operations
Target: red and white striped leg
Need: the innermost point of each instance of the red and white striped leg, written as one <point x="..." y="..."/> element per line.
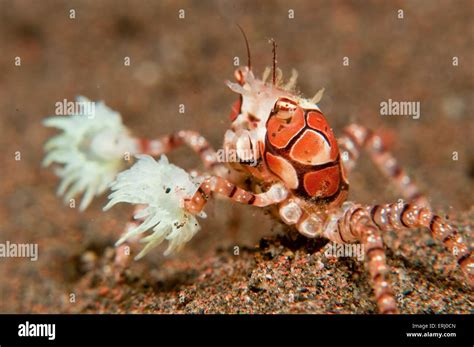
<point x="395" y="217"/>
<point x="371" y="239"/>
<point x="356" y="224"/>
<point x="221" y="186"/>
<point x="190" y="138"/>
<point x="357" y="137"/>
<point x="352" y="224"/>
<point x="409" y="216"/>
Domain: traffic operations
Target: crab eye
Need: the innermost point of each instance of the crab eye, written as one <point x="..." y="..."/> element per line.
<point x="285" y="108"/>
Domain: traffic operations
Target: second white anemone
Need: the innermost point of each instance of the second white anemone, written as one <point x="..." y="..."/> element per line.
<point x="162" y="187"/>
<point x="91" y="150"/>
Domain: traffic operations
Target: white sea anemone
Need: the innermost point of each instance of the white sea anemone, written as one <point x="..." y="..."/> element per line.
<point x="91" y="149"/>
<point x="162" y="188"/>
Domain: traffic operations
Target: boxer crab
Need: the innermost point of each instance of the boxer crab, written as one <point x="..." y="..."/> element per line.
<point x="289" y="161"/>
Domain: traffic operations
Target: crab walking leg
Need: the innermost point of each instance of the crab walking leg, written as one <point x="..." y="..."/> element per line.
<point x="219" y="185"/>
<point x="371" y="239"/>
<point x="352" y="225"/>
<point x="356" y="225"/>
<point x="408" y="216"/>
<point x="191" y="138"/>
<point x="356" y="137"/>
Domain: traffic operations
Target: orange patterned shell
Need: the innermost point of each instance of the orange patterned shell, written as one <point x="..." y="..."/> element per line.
<point x="302" y="151"/>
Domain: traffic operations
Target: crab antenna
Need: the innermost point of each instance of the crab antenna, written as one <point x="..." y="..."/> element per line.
<point x="274" y="60"/>
<point x="247" y="45"/>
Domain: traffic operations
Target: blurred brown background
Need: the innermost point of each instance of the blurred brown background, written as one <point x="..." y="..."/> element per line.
<point x="186" y="61"/>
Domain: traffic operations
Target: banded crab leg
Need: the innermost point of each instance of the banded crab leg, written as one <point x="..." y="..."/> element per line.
<point x="353" y="225"/>
<point x="215" y="184"/>
<point x="357" y="137"/>
<point x="190" y="138"/>
<point x="409" y="216"/>
<point x="357" y="224"/>
<point x="365" y="224"/>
